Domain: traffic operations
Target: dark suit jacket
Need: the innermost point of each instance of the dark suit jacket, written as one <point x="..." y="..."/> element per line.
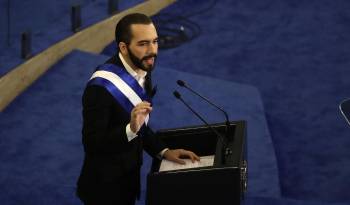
<point x="109" y="156"/>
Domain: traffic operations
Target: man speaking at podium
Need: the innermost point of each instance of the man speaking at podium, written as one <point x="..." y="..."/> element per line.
<point x="116" y="108"/>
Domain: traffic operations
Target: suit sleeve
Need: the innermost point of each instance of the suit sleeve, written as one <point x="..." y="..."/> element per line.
<point x="152" y="144"/>
<point x="98" y="133"/>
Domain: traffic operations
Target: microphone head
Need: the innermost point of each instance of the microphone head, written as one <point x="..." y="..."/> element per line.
<point x="180" y="83"/>
<point x="177" y="94"/>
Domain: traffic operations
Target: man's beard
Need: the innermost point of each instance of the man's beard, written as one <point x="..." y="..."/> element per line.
<point x="138" y="62"/>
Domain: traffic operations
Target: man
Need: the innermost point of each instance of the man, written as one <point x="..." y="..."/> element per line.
<point x="116" y="108"/>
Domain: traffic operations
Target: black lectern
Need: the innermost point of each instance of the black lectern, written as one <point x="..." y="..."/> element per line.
<point x="223" y="183"/>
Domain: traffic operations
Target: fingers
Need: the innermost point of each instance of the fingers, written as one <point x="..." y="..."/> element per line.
<point x="143" y="107"/>
<point x="177" y="156"/>
<point x="178" y="160"/>
<point x="196" y="157"/>
<point x="191" y="155"/>
<point x="187" y="154"/>
<point x="143" y="111"/>
<point x="143" y="103"/>
<point x="138" y="115"/>
<point x="173" y="155"/>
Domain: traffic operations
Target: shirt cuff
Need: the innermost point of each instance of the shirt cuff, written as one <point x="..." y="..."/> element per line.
<point x="130" y="134"/>
<point x="160" y="155"/>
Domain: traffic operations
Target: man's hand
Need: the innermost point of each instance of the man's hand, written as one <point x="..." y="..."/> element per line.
<point x="175" y="155"/>
<point x="138" y="115"/>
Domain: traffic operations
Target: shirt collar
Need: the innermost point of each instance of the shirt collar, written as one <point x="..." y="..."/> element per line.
<point x="130" y="70"/>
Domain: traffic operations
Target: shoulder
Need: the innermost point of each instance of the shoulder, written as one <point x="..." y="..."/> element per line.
<point x="115" y="60"/>
<point x="95" y="94"/>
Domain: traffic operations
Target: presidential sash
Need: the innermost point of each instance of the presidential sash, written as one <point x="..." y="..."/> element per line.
<point x="121" y="85"/>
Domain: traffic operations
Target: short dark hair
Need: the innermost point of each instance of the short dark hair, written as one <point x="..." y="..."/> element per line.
<point x="123" y="28"/>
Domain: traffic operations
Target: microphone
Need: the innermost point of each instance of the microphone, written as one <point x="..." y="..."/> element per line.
<point x="227" y="122"/>
<point x="178" y="96"/>
<point x="225" y="151"/>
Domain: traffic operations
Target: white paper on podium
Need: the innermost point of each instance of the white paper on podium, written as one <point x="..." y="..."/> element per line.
<point x="205" y="161"/>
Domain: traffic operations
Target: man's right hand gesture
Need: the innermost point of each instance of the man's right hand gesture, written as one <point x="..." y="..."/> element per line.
<point x="138" y="115"/>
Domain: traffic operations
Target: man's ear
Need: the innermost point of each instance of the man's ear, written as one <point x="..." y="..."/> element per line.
<point x="122" y="47"/>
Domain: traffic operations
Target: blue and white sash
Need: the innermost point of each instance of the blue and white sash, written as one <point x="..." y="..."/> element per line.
<point x="121" y="85"/>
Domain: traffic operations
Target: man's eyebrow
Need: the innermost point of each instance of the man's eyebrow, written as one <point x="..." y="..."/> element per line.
<point x="144" y="41"/>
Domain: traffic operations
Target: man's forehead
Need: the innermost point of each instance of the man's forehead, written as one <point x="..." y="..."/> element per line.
<point x="143" y="31"/>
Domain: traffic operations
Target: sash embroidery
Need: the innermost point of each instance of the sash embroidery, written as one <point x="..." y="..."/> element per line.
<point x="121" y="85"/>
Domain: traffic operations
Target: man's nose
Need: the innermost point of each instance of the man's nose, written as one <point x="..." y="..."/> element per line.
<point x="153" y="48"/>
